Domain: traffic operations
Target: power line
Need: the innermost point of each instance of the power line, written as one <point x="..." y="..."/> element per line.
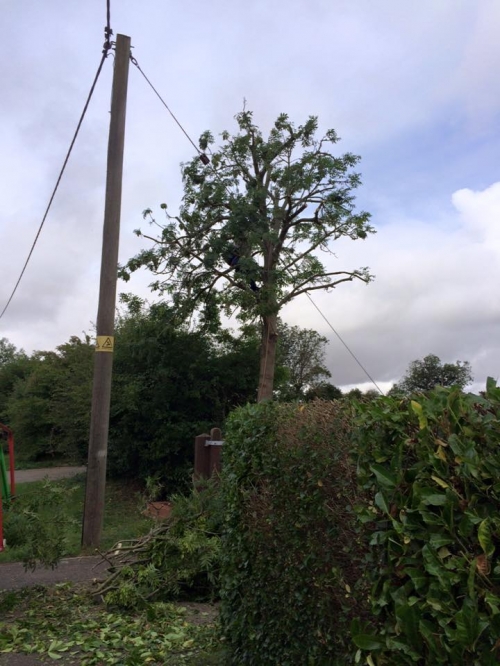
<point x="202" y="155"/>
<point x="204" y="158"/>
<point x="346" y="346"/>
<point x="107" y="46"/>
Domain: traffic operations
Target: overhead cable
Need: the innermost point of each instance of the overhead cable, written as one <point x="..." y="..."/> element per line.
<point x="346" y="346"/>
<point x="204" y="158"/>
<point x="107" y="46"/>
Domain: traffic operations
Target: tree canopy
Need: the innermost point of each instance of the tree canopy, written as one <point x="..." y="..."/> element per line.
<point x="426" y="374"/>
<point x="302" y="353"/>
<point x="252" y="225"/>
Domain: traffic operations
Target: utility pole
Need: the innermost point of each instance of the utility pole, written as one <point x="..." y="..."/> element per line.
<point x="103" y="363"/>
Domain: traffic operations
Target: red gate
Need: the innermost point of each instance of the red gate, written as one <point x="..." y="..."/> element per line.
<point x="4" y="490"/>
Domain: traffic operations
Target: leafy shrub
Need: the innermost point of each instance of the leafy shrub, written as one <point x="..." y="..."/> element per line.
<point x="37" y="525"/>
<point x="169" y="385"/>
<point x="433" y="464"/>
<point x="290" y="577"/>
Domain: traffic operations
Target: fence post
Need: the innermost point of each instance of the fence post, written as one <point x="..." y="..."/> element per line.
<point x="201" y="458"/>
<point x="215" y="453"/>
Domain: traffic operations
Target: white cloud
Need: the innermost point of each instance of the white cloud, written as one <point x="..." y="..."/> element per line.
<point x="435" y="292"/>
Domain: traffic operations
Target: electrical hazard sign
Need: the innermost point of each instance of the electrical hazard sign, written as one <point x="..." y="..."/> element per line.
<point x="105" y="343"/>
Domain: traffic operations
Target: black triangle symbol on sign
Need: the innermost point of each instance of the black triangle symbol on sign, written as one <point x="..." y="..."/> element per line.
<point x="107" y="344"/>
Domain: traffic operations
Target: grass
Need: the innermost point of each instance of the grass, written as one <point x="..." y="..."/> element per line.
<point x="122" y="516"/>
<point x="49" y="462"/>
<point x="64" y="623"/>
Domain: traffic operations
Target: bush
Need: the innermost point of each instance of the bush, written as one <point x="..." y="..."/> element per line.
<point x="37" y="525"/>
<point x="432" y="465"/>
<point x="290" y="557"/>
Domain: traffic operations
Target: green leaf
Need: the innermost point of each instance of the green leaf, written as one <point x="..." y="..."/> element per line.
<point x="409" y="617"/>
<point x="381" y="502"/>
<point x="422" y="419"/>
<point x="469" y="627"/>
<point x="432" y="563"/>
<point x="431" y="637"/>
<point x="384" y="476"/>
<point x="429" y="496"/>
<point x="438" y="540"/>
<point x="418" y="578"/>
<point x="439" y="481"/>
<point x="484" y="537"/>
<point x="368" y="642"/>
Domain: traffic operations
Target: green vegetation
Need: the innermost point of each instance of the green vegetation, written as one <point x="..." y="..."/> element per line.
<point x="48" y="406"/>
<point x="301" y="352"/>
<point x="45" y="519"/>
<point x="291" y="577"/>
<point x="250" y="232"/>
<point x="340" y="532"/>
<point x="65" y="624"/>
<point x="432" y="466"/>
<point x="169" y="385"/>
<point x="179" y="558"/>
<point x="426" y="374"/>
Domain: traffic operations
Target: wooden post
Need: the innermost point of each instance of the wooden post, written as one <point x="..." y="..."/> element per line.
<point x="103" y="363"/>
<point x="201" y="458"/>
<point x="215" y="453"/>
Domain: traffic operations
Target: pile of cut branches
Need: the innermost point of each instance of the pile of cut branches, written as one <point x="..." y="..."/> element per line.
<point x="178" y="558"/>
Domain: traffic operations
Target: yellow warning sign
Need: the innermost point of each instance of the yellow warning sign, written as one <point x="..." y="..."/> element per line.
<point x="105" y="343"/>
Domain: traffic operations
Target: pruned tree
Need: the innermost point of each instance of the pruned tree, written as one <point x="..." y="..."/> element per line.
<point x="426" y="374"/>
<point x="251" y="226"/>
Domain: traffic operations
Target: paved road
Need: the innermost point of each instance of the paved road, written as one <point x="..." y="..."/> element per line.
<point x="70" y="569"/>
<point x="54" y="473"/>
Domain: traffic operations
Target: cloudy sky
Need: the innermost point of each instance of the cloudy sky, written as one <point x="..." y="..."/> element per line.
<point x="412" y="87"/>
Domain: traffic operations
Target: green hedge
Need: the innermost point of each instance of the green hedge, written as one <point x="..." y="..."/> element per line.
<point x="291" y="551"/>
<point x="432" y="466"/>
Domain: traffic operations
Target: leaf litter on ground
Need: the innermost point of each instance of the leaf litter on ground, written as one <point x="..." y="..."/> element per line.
<point x="64" y="623"/>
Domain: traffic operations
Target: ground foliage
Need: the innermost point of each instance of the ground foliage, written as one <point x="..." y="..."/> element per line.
<point x="64" y="624"/>
<point x="178" y="558"/>
<point x="432" y="465"/>
<point x="291" y="555"/>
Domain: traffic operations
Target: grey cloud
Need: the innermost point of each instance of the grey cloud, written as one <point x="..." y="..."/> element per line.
<point x="377" y="72"/>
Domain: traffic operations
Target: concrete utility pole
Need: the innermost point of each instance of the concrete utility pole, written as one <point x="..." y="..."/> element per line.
<point x="103" y="364"/>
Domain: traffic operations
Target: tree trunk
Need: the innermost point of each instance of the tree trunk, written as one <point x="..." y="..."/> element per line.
<point x="268" y="357"/>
